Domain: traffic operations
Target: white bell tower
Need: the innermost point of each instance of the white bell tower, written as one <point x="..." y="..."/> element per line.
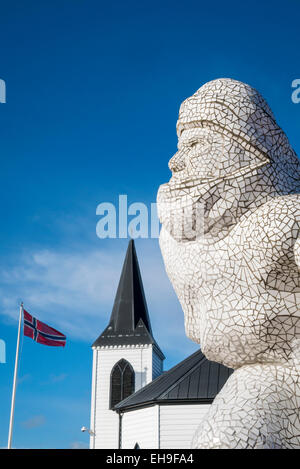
<point x="125" y="356"/>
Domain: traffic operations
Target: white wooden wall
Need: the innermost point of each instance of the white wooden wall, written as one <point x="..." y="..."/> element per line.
<point x="178" y="424"/>
<point x="105" y="422"/>
<point x="140" y="426"/>
<point x="163" y="427"/>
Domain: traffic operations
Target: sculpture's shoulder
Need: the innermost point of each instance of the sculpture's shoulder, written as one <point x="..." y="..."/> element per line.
<point x="277" y="219"/>
<point x="279" y="210"/>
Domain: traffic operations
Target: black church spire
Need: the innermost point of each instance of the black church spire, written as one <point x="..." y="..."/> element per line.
<point x="129" y="322"/>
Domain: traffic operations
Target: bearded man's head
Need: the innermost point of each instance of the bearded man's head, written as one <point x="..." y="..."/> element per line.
<point x="232" y="157"/>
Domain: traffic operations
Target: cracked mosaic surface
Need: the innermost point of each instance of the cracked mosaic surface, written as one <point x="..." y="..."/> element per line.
<point x="238" y="279"/>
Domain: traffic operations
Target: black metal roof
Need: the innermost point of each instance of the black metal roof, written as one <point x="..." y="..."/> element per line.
<point x="195" y="379"/>
<point x="129" y="322"/>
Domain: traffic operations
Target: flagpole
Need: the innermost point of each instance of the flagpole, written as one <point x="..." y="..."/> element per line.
<point x="12" y="410"/>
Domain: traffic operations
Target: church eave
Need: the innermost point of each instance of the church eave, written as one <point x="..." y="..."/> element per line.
<point x="161" y="402"/>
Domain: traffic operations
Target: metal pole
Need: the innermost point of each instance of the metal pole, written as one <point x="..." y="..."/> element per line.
<point x="12" y="410"/>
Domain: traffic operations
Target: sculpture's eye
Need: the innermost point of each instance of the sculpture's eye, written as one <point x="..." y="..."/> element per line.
<point x="198" y="144"/>
<point x="190" y="145"/>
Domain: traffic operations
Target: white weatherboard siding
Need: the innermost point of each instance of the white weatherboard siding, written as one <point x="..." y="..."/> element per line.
<point x="162" y="426"/>
<point x="140" y="426"/>
<point x="94" y="375"/>
<point x="105" y="422"/>
<point x="178" y="423"/>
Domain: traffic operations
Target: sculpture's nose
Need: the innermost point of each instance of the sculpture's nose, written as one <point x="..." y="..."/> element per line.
<point x="177" y="162"/>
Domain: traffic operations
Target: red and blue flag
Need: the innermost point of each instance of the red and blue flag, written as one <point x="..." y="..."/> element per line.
<point x="41" y="333"/>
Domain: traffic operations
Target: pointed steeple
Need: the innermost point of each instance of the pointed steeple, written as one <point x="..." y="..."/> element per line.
<point x="129" y="322"/>
<point x="130" y="304"/>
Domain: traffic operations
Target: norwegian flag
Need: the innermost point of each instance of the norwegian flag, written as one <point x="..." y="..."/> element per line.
<point x="42" y="333"/>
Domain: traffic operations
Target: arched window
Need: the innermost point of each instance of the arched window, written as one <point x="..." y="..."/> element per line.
<point x="121" y="382"/>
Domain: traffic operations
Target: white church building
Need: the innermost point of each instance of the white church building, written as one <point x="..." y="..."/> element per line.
<point x="135" y="404"/>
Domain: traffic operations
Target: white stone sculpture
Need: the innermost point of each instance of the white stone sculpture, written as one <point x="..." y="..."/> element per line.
<point x="238" y="280"/>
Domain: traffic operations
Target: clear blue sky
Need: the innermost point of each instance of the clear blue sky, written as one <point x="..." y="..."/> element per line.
<point x="93" y="92"/>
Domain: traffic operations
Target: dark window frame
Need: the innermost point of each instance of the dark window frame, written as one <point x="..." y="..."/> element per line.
<point x="122" y="382"/>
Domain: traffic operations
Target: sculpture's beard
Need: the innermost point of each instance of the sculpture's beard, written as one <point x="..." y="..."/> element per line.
<point x="204" y="210"/>
<point x="207" y="208"/>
